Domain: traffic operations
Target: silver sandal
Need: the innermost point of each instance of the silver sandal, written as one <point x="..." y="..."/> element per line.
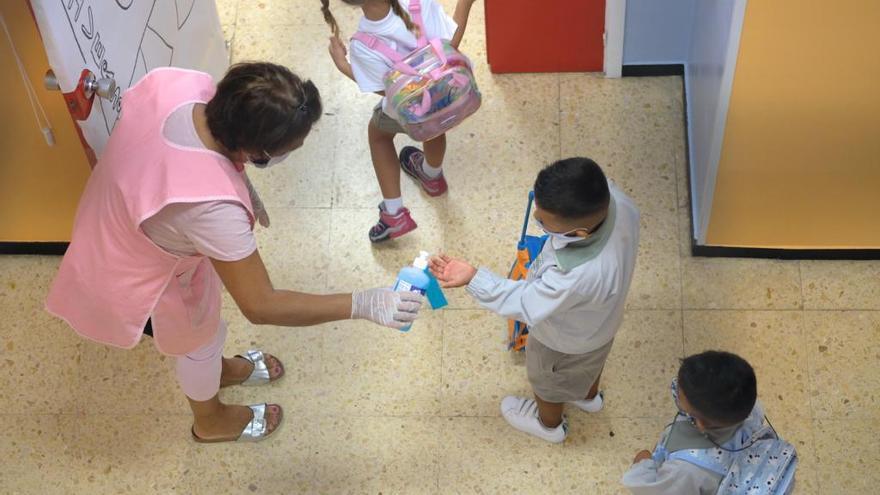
<point x="260" y="374"/>
<point x="257" y="429"/>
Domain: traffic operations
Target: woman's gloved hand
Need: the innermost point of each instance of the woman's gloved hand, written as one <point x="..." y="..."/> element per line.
<point x="386" y="307"/>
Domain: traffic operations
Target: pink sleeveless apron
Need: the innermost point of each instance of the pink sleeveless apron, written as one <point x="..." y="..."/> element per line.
<point x="113" y="278"/>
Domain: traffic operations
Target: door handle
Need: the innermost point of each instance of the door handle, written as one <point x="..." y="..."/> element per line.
<point x="91" y="85"/>
<point x="79" y="101"/>
<point x="104" y="87"/>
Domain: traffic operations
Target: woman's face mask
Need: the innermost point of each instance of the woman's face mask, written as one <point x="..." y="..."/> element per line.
<point x="267" y="161"/>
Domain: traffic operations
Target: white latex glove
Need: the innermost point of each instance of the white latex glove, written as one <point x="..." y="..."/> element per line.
<point x="386" y="307"/>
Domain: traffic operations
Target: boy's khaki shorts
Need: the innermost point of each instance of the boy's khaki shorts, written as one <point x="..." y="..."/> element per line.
<point x="559" y="377"/>
<point x="384" y="122"/>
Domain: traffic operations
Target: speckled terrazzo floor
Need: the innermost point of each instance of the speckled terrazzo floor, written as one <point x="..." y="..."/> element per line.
<point x="371" y="410"/>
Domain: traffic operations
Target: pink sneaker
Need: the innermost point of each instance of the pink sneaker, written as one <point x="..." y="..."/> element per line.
<point x="411" y="160"/>
<point x="391" y="226"/>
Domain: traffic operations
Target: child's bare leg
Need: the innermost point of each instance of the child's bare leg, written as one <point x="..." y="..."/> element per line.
<point x="435" y="151"/>
<point x="594" y="390"/>
<point x="385" y="161"/>
<point x="550" y="413"/>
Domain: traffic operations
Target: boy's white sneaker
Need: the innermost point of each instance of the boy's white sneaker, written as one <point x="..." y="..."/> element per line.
<point x="522" y="414"/>
<point x="591" y="406"/>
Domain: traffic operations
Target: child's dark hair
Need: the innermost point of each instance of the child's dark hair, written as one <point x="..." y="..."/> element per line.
<point x="572" y="188"/>
<point x="719" y="385"/>
<point x="260" y="106"/>
<point x="395" y="6"/>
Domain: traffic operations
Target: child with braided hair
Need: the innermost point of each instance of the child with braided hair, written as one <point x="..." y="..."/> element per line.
<point x="391" y="22"/>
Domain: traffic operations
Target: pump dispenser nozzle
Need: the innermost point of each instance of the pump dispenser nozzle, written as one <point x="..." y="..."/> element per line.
<point x="422" y="261"/>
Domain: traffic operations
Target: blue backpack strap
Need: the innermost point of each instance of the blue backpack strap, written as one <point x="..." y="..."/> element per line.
<point x="703" y="458"/>
<point x="713" y="460"/>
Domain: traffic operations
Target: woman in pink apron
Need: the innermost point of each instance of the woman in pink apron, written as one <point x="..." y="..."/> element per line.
<point x="167" y="216"/>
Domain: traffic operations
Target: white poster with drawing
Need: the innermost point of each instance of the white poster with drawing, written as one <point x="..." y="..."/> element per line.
<point x="123" y="40"/>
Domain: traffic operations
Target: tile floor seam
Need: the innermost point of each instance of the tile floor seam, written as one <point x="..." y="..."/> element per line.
<point x="671" y="308"/>
<point x="558" y="117"/>
<point x="78" y="448"/>
<point x="810" y="381"/>
<point x="838" y="310"/>
<point x="801" y="282"/>
<point x="333" y="189"/>
<point x="231" y="44"/>
<point x="788" y="310"/>
<point x="43" y="415"/>
<point x="433" y="416"/>
<point x="181" y="476"/>
<point x="817" y="478"/>
<point x="848" y="420"/>
<point x="237" y="10"/>
<point x="79" y="403"/>
<point x="775" y="310"/>
<point x="678" y="245"/>
<point x="442" y="372"/>
<point x="164" y="414"/>
<point x="232" y="40"/>
<point x="234" y="29"/>
<point x="806" y="341"/>
<point x="792" y="310"/>
<point x="329" y="243"/>
<point x="438" y="461"/>
<point x="287" y="24"/>
<point x="288" y="207"/>
<point x="326" y="273"/>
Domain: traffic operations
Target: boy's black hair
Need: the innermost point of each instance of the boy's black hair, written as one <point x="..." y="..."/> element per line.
<point x="720" y="386"/>
<point x="572" y="188"/>
<point x="262" y="107"/>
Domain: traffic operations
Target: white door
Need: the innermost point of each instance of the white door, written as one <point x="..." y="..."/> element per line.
<point x="124" y="39"/>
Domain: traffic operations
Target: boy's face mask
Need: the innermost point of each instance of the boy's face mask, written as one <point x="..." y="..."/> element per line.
<point x="561" y="239"/>
<point x="674" y="389"/>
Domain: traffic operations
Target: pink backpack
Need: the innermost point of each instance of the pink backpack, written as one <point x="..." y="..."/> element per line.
<point x="431" y="89"/>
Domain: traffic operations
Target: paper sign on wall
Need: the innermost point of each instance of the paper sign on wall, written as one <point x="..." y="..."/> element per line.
<point x="123" y="40"/>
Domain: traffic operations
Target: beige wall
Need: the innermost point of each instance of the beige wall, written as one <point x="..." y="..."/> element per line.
<point x="800" y="163"/>
<point x="39" y="186"/>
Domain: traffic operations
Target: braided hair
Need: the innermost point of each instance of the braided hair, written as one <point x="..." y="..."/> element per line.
<point x="399" y="12"/>
<point x="328" y="17"/>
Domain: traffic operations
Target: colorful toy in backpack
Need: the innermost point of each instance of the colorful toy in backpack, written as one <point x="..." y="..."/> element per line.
<point x="527" y="249"/>
<point x="430" y="90"/>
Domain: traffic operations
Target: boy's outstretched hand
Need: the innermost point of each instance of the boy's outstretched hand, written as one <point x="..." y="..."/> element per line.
<point x="451" y="272"/>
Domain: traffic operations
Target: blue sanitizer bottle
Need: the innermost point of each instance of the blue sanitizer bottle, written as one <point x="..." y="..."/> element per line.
<point x="413" y="278"/>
